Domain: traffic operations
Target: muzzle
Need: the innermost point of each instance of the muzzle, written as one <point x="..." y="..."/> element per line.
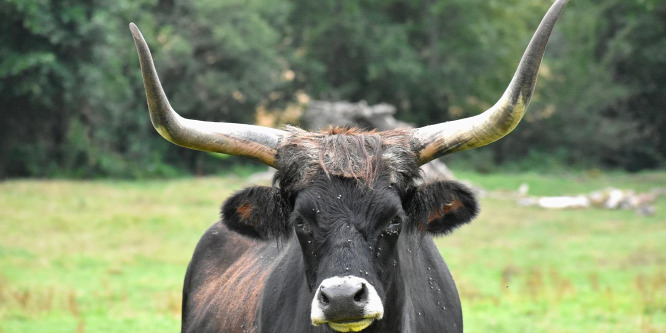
<point x="346" y="304"/>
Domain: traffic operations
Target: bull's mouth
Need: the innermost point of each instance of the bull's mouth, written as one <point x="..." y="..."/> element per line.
<point x="349" y="326"/>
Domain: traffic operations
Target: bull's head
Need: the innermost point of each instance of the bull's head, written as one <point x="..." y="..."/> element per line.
<point x="348" y="195"/>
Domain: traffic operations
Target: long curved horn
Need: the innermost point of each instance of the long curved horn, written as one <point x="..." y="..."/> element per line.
<point x="257" y="142"/>
<point x="449" y="137"/>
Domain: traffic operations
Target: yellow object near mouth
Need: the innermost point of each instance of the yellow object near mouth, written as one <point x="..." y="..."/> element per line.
<point x="351" y="327"/>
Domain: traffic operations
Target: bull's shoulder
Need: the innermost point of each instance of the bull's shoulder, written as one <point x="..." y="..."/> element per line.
<point x="218" y="249"/>
<point x="223" y="282"/>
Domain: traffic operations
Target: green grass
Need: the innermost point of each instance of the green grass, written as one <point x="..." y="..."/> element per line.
<point x="108" y="256"/>
<point x="525" y="269"/>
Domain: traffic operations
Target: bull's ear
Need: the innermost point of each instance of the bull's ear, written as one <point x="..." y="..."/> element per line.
<point x="440" y="207"/>
<point x="258" y="212"/>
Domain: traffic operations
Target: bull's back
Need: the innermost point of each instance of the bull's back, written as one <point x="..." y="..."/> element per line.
<point x="224" y="281"/>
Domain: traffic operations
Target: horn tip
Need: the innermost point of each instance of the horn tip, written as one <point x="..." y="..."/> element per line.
<point x="135" y="31"/>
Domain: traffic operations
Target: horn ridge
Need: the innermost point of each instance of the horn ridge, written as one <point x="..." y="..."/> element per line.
<point x="257" y="142"/>
<point x="437" y="140"/>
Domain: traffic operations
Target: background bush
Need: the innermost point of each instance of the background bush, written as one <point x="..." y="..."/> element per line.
<point x="72" y="102"/>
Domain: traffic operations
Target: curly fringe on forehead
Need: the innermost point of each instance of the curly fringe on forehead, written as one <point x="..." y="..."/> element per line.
<point x="344" y="152"/>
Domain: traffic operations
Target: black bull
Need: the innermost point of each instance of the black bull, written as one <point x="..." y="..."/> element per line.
<point x="343" y="240"/>
<point x="332" y="228"/>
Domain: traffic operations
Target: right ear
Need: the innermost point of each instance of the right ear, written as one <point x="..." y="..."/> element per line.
<point x="440" y="207"/>
<point x="258" y="212"/>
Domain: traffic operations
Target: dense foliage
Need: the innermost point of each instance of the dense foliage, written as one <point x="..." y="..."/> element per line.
<point x="72" y="103"/>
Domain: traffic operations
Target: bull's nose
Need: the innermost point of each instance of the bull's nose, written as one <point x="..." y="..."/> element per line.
<point x="343" y="297"/>
<point x="347" y="303"/>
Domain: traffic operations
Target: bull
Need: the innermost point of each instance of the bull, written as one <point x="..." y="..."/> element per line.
<point x="343" y="239"/>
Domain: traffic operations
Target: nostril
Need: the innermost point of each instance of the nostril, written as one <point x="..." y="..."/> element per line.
<point x="323" y="298"/>
<point x="360" y="295"/>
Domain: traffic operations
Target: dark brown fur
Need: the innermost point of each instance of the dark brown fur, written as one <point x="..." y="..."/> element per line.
<point x="348" y="153"/>
<point x="234" y="295"/>
<point x="223" y="287"/>
<point x="245" y="212"/>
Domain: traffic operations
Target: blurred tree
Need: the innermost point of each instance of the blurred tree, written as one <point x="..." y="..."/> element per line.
<point x="435" y="60"/>
<point x="72" y="101"/>
<point x="64" y="88"/>
<point x="351" y="50"/>
<point x="72" y="97"/>
<point x="635" y="45"/>
<point x="220" y="60"/>
<point x="600" y="100"/>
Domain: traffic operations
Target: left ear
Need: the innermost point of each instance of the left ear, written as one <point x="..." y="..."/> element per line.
<point x="258" y="212"/>
<point x="440" y="207"/>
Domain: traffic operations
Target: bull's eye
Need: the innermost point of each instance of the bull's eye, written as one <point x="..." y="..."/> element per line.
<point x="302" y="226"/>
<point x="395" y="224"/>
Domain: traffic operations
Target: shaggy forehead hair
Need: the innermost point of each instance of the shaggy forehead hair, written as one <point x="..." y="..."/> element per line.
<point x="348" y="153"/>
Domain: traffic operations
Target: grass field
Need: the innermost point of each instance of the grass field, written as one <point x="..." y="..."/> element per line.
<point x="110" y="256"/>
